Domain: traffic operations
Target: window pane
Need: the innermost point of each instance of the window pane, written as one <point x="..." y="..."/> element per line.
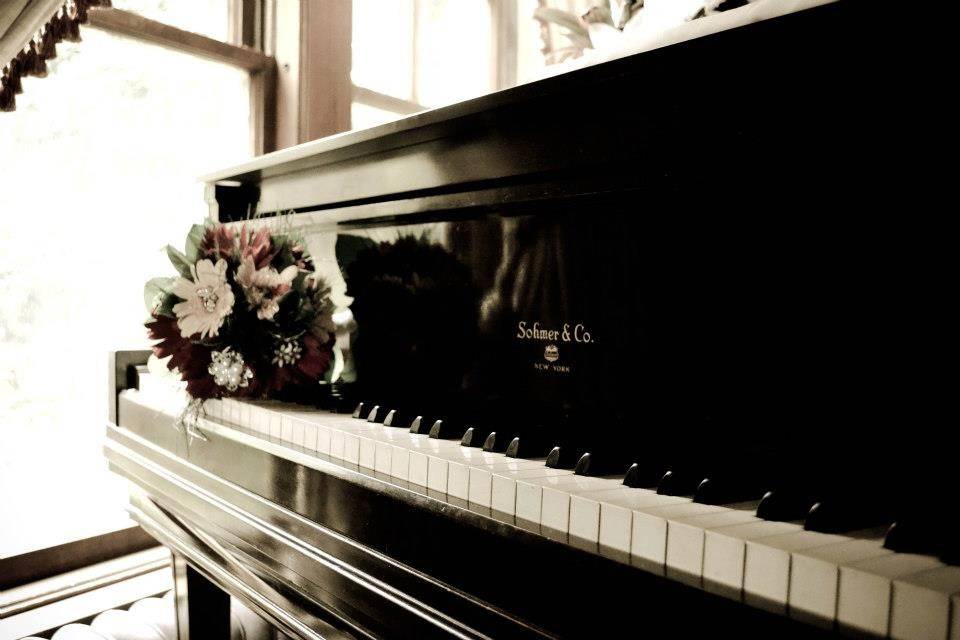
<point x="99" y="163"/>
<point x="383" y="46"/>
<point x="454" y="47"/>
<point x="363" y="116"/>
<point x="207" y="17"/>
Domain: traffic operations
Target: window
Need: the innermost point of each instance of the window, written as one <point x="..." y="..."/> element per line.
<point x="206" y="17"/>
<point x="410" y="55"/>
<point x="100" y="164"/>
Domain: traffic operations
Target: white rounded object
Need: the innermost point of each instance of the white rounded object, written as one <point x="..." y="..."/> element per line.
<point x="117" y="624"/>
<point x="159" y="614"/>
<point x="77" y="632"/>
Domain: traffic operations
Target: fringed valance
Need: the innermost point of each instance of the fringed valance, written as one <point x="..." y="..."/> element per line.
<point x="29" y="33"/>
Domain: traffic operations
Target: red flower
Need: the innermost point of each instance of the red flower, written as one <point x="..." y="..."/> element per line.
<point x="218" y="242"/>
<point x="256" y="246"/>
<point x="315" y="359"/>
<point x="190" y="358"/>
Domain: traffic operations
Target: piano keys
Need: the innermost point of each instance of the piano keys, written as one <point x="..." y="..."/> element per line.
<point x="845" y="580"/>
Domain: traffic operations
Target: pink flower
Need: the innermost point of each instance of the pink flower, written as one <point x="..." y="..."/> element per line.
<point x="207" y="299"/>
<point x="218" y="242"/>
<point x="257" y="246"/>
<point x="265" y="288"/>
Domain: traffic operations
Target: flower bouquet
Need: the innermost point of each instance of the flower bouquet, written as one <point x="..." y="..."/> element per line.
<point x="247" y="316"/>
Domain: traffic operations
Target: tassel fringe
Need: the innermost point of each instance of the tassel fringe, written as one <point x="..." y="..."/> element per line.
<point x="63" y="26"/>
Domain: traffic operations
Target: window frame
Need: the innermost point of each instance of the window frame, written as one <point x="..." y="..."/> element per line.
<point x="246" y="26"/>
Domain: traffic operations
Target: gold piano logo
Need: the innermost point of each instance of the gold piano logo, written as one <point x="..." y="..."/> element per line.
<point x="551" y="353"/>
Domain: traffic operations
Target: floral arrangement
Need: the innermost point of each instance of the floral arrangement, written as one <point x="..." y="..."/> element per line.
<point x="247" y="315"/>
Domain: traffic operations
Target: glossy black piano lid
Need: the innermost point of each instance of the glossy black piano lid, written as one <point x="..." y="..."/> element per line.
<point x="646" y="322"/>
<point x="738" y="223"/>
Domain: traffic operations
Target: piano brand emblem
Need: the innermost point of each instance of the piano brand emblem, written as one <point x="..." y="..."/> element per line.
<point x="569" y="333"/>
<point x="551" y="353"/>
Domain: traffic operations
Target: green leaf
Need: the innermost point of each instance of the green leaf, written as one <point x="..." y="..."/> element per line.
<point x="155" y="291"/>
<point x="179" y="262"/>
<point x="194" y="239"/>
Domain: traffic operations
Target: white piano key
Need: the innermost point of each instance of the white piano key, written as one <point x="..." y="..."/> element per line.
<point x="211" y="408"/>
<point x="815" y="572"/>
<point x="530" y="495"/>
<point x="231" y="411"/>
<point x="275" y="425"/>
<point x="382" y="462"/>
<point x="685" y="540"/>
<point x="724" y="550"/>
<point x="495" y="486"/>
<point x="920" y="609"/>
<point x="244" y="415"/>
<point x="437" y="473"/>
<point x="309" y="435"/>
<point x="503" y="487"/>
<point x="766" y="573"/>
<point x="336" y="444"/>
<point x="399" y="462"/>
<point x="615" y="527"/>
<point x="368" y="453"/>
<point x="865" y="589"/>
<point x="555" y="503"/>
<point x="418" y="468"/>
<point x="458" y="480"/>
<point x="351" y="448"/>
<point x="286" y="429"/>
<point x="299" y="433"/>
<point x="648" y="540"/>
<point x="458" y="473"/>
<point x="323" y="440"/>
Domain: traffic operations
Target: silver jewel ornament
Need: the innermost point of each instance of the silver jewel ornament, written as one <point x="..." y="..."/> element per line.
<point x="208" y="297"/>
<point x="288" y="352"/>
<point x="229" y="370"/>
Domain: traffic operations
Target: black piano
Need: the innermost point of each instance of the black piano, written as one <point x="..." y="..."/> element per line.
<point x="657" y="346"/>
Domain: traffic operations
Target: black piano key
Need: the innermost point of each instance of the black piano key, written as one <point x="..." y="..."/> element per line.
<point x="679" y="482"/>
<point x="527" y="445"/>
<point x="363" y="410"/>
<point x="421" y="425"/>
<point x="601" y="463"/>
<point x="838" y="514"/>
<point x="377" y="414"/>
<point x="643" y="476"/>
<point x="497" y="441"/>
<point x="785" y="504"/>
<point x="726" y="489"/>
<point x="447" y="429"/>
<point x="398" y="418"/>
<point x="475" y="436"/>
<point x="563" y="456"/>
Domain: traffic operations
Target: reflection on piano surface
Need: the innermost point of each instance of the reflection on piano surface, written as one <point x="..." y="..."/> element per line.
<point x="659" y="378"/>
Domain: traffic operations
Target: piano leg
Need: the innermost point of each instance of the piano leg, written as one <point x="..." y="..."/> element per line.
<point x="202" y="608"/>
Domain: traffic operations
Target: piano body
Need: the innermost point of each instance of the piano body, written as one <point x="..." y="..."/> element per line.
<point x="627" y="350"/>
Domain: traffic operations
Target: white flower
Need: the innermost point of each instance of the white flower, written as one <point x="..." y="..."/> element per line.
<point x="207" y="300"/>
<point x="265" y="288"/>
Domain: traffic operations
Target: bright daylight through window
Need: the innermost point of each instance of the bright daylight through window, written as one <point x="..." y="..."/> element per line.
<point x="95" y="181"/>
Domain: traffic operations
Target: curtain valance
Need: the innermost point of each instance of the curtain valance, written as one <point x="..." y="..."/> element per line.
<point x="29" y="33"/>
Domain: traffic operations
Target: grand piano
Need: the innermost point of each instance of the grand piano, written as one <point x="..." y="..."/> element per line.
<point x="656" y="346"/>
